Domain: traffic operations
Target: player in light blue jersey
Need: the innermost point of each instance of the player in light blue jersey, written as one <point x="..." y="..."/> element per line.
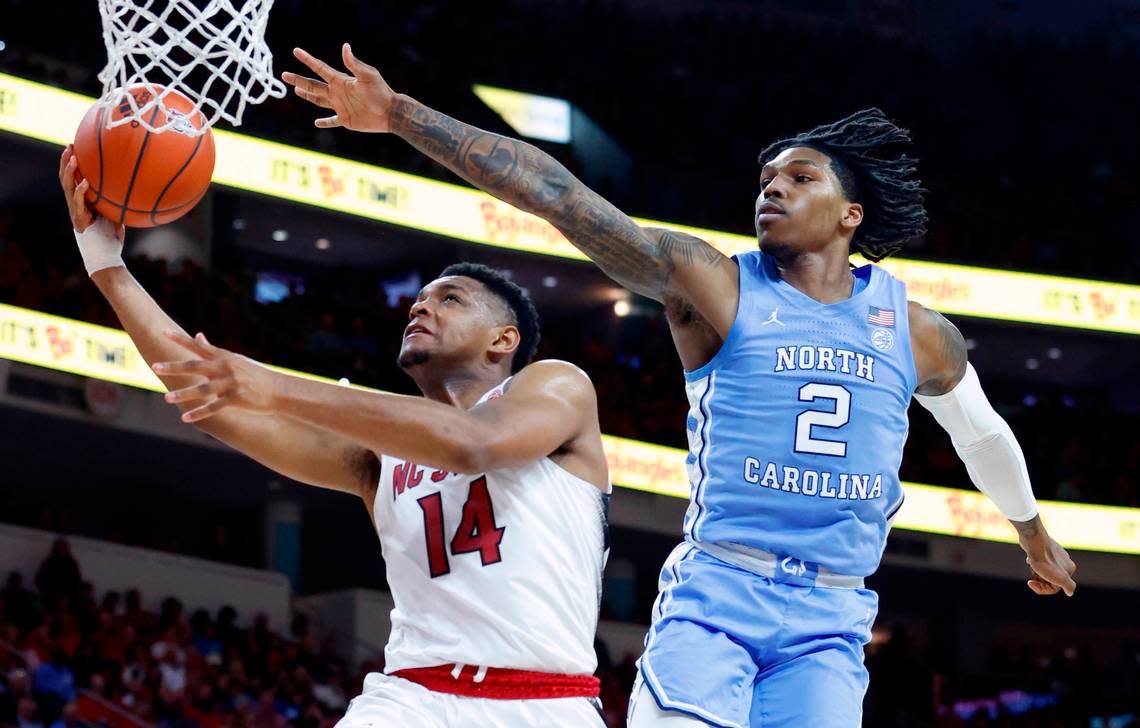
<point x="799" y="371"/>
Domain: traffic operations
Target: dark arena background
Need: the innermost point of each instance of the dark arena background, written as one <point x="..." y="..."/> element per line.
<point x="153" y="577"/>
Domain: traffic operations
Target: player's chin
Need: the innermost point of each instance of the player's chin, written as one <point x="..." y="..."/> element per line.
<point x="411" y="355"/>
<point x="770" y="241"/>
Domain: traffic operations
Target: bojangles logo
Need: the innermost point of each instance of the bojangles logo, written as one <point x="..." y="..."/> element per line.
<point x="504" y="224"/>
<point x="975" y="516"/>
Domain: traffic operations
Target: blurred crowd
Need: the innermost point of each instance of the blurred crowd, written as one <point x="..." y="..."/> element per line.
<point x="1024" y="139"/>
<point x="71" y="660"/>
<point x="68" y="658"/>
<point x="1017" y="687"/>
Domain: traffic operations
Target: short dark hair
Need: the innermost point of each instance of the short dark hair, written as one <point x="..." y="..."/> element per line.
<point x="869" y="155"/>
<point x="518" y="303"/>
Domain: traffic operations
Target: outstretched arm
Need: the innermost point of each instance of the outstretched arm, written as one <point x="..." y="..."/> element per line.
<point x="652" y="263"/>
<point x="548" y="405"/>
<point x="296" y="450"/>
<point x="948" y="386"/>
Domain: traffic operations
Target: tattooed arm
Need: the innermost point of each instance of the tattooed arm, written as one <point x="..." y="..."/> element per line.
<point x="653" y="263"/>
<point x="939" y="350"/>
<point x="949" y="388"/>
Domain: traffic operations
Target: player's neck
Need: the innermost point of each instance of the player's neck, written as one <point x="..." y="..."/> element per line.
<point x="462" y="388"/>
<point x="821" y="275"/>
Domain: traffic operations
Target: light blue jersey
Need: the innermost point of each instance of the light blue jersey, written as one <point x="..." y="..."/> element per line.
<point x="797" y="425"/>
<point x="795" y="434"/>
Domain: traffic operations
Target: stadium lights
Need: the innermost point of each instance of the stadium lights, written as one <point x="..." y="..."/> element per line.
<point x="537" y="117"/>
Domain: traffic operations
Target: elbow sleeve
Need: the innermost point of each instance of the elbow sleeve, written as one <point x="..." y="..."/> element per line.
<point x="986" y="445"/>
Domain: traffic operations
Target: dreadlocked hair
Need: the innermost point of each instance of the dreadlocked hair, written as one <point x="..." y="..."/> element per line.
<point x="522" y="309"/>
<point x="868" y="154"/>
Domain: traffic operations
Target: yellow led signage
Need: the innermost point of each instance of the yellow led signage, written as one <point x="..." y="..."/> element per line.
<point x="291" y="173"/>
<point x="99" y="352"/>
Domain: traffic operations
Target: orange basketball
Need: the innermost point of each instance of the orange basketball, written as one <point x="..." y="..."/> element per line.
<point x="140" y="178"/>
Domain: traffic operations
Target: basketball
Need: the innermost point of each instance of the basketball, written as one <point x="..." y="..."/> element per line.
<point x="140" y="178"/>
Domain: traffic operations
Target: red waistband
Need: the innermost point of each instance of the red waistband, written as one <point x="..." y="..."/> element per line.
<point x="501" y="684"/>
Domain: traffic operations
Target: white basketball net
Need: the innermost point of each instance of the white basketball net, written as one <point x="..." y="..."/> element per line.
<point x="211" y="51"/>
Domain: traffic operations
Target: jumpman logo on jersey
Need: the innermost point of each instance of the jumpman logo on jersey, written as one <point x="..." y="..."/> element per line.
<point x="772" y="319"/>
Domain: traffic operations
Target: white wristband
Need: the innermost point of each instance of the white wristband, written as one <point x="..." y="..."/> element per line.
<point x="99" y="246"/>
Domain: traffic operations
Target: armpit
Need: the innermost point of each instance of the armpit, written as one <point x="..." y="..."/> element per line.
<point x="696" y="340"/>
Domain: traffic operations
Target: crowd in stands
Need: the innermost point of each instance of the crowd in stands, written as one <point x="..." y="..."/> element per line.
<point x="1018" y="177"/>
<point x="66" y="654"/>
<point x="69" y="659"/>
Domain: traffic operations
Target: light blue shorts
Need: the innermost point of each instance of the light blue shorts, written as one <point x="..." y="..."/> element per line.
<point x="737" y="649"/>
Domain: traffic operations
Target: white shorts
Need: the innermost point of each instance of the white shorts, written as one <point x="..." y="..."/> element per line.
<point x="393" y="702"/>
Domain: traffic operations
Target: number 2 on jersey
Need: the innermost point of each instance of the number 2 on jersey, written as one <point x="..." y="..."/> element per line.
<point x="477" y="530"/>
<point x="805" y="442"/>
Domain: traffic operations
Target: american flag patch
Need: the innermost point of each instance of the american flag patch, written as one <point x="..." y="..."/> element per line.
<point x="881" y="316"/>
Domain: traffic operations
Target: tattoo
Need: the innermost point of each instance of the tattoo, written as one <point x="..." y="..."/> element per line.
<point x="681" y="247"/>
<point x="1028" y="529"/>
<point x="524" y="176"/>
<point x="950" y="358"/>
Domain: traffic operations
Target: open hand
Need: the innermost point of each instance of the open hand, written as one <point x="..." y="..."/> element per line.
<point x="232" y="380"/>
<point x="74" y="189"/>
<point x="362" y="101"/>
<point x="1051" y="565"/>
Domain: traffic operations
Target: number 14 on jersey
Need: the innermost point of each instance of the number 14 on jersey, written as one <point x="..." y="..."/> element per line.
<point x="476" y="532"/>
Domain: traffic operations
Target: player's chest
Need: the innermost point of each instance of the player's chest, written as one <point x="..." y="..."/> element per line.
<point x="441" y="515"/>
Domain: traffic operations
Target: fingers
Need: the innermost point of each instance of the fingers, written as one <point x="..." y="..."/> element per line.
<point x="198" y="391"/>
<point x="64" y="161"/>
<point x="1053" y="575"/>
<point x="314" y="97"/>
<point x="351" y="62"/>
<point x="190" y="366"/>
<point x="78" y="196"/>
<point x="1069" y="586"/>
<point x="316" y="65"/>
<point x="1043" y="588"/>
<point x="211" y="408"/>
<point x="198" y="345"/>
<point x="81" y="215"/>
<point x="67" y="166"/>
<point x="328" y="122"/>
<point x="305" y="83"/>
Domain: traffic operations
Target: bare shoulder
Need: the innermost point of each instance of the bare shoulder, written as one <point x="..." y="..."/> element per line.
<point x="554" y="376"/>
<point x="698" y="274"/>
<point x="939" y="350"/>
